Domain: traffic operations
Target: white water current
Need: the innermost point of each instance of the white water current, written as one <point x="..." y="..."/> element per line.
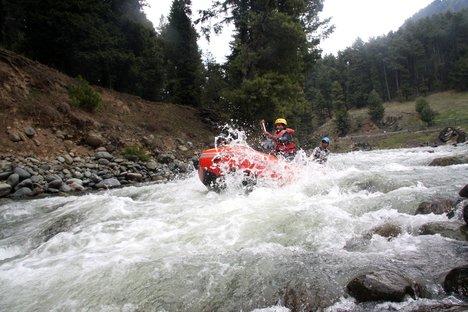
<point x="178" y="247"/>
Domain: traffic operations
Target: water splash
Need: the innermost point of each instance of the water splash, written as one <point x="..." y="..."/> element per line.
<point x="177" y="246"/>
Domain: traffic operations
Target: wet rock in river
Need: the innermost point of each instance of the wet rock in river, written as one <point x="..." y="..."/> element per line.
<point x="456" y="281"/>
<point x="63" y="224"/>
<point x="465" y="213"/>
<point x="388" y="230"/>
<point x="439" y="206"/>
<point x="447" y="229"/>
<point x="464" y="191"/>
<point x="449" y="161"/>
<point x="382" y="286"/>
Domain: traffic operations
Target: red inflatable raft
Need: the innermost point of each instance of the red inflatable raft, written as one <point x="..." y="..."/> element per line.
<point x="214" y="164"/>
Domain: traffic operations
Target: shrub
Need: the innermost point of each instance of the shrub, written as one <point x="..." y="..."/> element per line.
<point x="376" y="108"/>
<point x="420" y="104"/>
<point x="135" y="151"/>
<point x="83" y="95"/>
<point x="342" y="121"/>
<point x="427" y="115"/>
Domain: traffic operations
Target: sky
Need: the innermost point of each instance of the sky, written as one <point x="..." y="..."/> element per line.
<point x="352" y="19"/>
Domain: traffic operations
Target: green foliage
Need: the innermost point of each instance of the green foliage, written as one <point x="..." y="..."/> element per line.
<point x="342" y="122"/>
<point x="274" y="47"/>
<point x="376" y="108"/>
<point x="84" y="96"/>
<point x="184" y="66"/>
<point x="135" y="151"/>
<point x="420" y="104"/>
<point x="423" y="56"/>
<point x="427" y="115"/>
<point x="110" y="43"/>
<point x="337" y="96"/>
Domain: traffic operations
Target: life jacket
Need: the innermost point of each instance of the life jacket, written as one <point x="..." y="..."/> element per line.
<point x="284" y="147"/>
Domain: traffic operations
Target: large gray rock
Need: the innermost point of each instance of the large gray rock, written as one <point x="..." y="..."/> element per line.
<point x="464" y="191"/>
<point x="133" y="176"/>
<point x="14" y="136"/>
<point x="103" y="161"/>
<point x="4" y="175"/>
<point x="439" y="206"/>
<point x="55" y="184"/>
<point x="151" y="165"/>
<point x="13" y="179"/>
<point x="95" y="140"/>
<point x="68" y="159"/>
<point x="453" y="230"/>
<point x="53" y="177"/>
<point x="456" y="281"/>
<point x="449" y="161"/>
<point x="23" y="173"/>
<point x="25" y="183"/>
<point x="388" y="230"/>
<point x="23" y="192"/>
<point x="30" y="131"/>
<point x="108" y="183"/>
<point x="381" y="286"/>
<point x="465" y="213"/>
<point x="4" y="189"/>
<point x="105" y="155"/>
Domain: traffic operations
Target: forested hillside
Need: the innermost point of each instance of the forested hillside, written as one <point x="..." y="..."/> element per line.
<point x="421" y="57"/>
<point x="274" y="68"/>
<point x="440" y="6"/>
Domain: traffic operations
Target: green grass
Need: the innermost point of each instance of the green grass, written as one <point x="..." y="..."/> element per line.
<point x="451" y="108"/>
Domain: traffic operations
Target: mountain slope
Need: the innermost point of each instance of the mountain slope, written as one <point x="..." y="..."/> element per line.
<point x="34" y="95"/>
<point x="440" y="6"/>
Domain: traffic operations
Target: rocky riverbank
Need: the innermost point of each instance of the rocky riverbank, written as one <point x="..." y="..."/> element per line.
<point x="25" y="177"/>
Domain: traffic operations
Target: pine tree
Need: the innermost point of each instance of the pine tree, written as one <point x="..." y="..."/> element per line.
<point x="184" y="65"/>
<point x="342" y="122"/>
<point x="376" y="108"/>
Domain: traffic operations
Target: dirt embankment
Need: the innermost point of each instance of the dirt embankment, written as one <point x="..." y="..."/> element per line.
<point x="37" y="118"/>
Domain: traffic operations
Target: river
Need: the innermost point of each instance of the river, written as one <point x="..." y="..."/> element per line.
<point x="178" y="247"/>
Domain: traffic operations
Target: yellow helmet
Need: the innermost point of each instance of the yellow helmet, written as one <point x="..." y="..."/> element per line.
<point x="281" y="121"/>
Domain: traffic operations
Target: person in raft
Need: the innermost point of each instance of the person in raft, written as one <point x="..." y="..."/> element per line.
<point x="321" y="152"/>
<point x="282" y="138"/>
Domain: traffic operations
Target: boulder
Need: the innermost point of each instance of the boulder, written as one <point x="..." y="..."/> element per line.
<point x="23" y="173"/>
<point x="449" y="161"/>
<point x="464" y="191"/>
<point x="53" y="177"/>
<point x="4" y="175"/>
<point x="103" y="161"/>
<point x="30" y="132"/>
<point x="182" y="148"/>
<point x="105" y="155"/>
<point x="381" y="286"/>
<point x="439" y="206"/>
<point x="14" y="136"/>
<point x="95" y="140"/>
<point x="55" y="184"/>
<point x="37" y="179"/>
<point x="456" y="281"/>
<point x="74" y="180"/>
<point x="25" y="183"/>
<point x="133" y="176"/>
<point x="447" y="229"/>
<point x="13" y="179"/>
<point x="65" y="188"/>
<point x="23" y="192"/>
<point x="166" y="158"/>
<point x="388" y="230"/>
<point x="151" y="165"/>
<point x="61" y="159"/>
<point x="68" y="159"/>
<point x="5" y="189"/>
<point x="108" y="183"/>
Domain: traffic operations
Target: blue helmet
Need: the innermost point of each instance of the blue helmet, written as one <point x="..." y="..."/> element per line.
<point x="326" y="140"/>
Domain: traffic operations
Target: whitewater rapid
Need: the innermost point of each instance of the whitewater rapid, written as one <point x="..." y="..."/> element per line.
<point x="178" y="247"/>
